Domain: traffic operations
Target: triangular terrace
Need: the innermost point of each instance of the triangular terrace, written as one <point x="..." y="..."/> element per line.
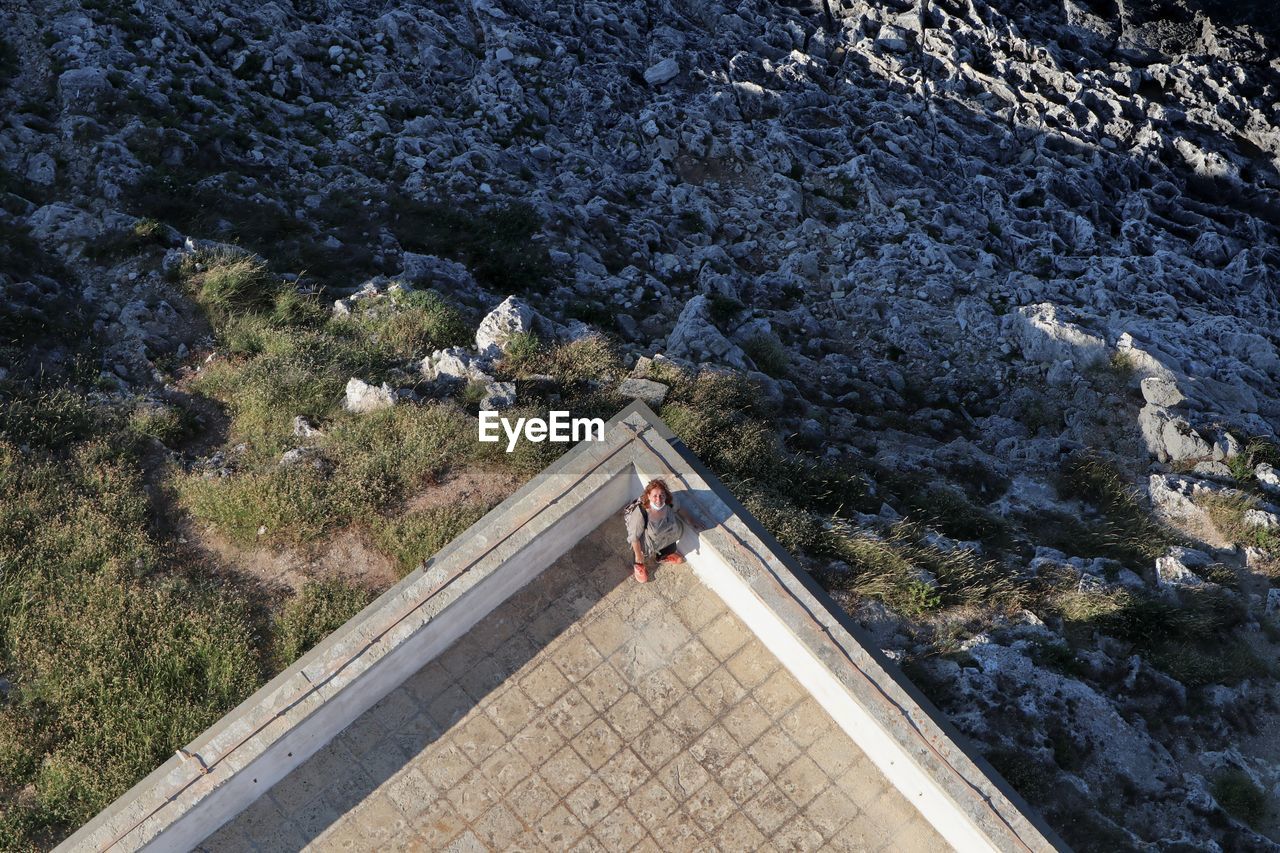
<point x="519" y="691"/>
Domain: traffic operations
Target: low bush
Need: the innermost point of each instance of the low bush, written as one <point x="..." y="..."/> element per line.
<point x="1237" y="793"/>
<point x="412" y="538"/>
<point x="319" y="608"/>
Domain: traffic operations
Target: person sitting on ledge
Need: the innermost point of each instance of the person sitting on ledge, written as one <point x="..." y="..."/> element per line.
<point x="654" y="526"/>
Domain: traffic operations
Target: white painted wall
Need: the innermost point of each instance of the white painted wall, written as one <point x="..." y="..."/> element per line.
<point x="878" y="744"/>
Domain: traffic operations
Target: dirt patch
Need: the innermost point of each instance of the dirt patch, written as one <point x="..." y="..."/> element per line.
<point x="478" y="486"/>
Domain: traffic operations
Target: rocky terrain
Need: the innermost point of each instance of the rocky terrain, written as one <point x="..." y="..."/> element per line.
<point x="1019" y="255"/>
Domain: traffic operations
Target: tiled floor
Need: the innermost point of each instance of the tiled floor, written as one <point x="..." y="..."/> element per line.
<point x="591" y="713"/>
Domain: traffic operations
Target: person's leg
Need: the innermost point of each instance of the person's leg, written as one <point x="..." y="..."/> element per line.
<point x="669" y="554"/>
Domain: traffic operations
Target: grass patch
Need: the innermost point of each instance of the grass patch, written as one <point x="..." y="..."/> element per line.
<point x="1190" y="638"/>
<point x="114" y="664"/>
<point x="321" y="607"/>
<point x="410" y="324"/>
<point x="1127" y="531"/>
<point x="1239" y="796"/>
<point x="376" y="461"/>
<point x="1228" y="514"/>
<point x="767" y="353"/>
<point x="415" y="536"/>
<point x="225" y="284"/>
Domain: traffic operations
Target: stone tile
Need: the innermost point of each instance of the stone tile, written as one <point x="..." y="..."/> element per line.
<point x="737" y="834"/>
<point x="229" y="839"/>
<point x="538" y="741"/>
<point x="445" y="765"/>
<point x="779" y="693"/>
<point x="689" y="719"/>
<point x="545" y="684"/>
<point x="629" y="716"/>
<point x="743" y="778"/>
<point x="624" y="772"/>
<point x="409" y="790"/>
<point x="484" y="676"/>
<point x="752" y="665"/>
<point x="773" y="751"/>
<point x="449" y="706"/>
<point x="799" y="835"/>
<point x="511" y="710"/>
<point x="715" y="749"/>
<point x="665" y="633"/>
<point x="478" y="738"/>
<point x="724" y="636"/>
<point x="577" y="658"/>
<point x="746" y="721"/>
<point x="656" y="746"/>
<point x="660" y="690"/>
<point x="438" y="824"/>
<point x="558" y="828"/>
<point x="692" y="662"/>
<point x="802" y="780"/>
<point x="683" y="776"/>
<point x="678" y="833"/>
<point x="588" y="844"/>
<point x="652" y="803"/>
<point x="830" y="811"/>
<point x="698" y="610"/>
<point x="604" y="686"/>
<point x="619" y="831"/>
<point x="805" y="722"/>
<point x="591" y="801"/>
<point x="607" y="632"/>
<point x="835" y="753"/>
<point x="395" y="709"/>
<point x="863" y="783"/>
<point x="498" y="827"/>
<point x="719" y="692"/>
<point x="769" y="809"/>
<point x="710" y="806"/>
<point x="597" y="743"/>
<point x="467" y="842"/>
<point x="473" y="796"/>
<point x="506" y="768"/>
<point x="565" y="771"/>
<point x="571" y="713"/>
<point x="531" y="799"/>
<point x="636" y="658"/>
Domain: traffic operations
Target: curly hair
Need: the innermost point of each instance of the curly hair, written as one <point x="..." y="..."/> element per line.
<point x="656" y="484"/>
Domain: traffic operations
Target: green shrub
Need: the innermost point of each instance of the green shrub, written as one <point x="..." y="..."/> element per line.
<point x="321" y="607"/>
<point x="415" y="323"/>
<point x="412" y="538"/>
<point x="1236" y="792"/>
<point x="767" y="353"/>
<point x="52" y="419"/>
<point x="167" y="423"/>
<point x="226" y="283"/>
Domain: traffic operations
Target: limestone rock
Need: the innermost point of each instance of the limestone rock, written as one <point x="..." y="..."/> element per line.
<point x="650" y="392"/>
<point x="362" y="397"/>
<point x="661" y="72"/>
<point x="510" y="318"/>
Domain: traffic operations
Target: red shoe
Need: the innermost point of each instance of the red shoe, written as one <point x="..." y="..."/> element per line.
<point x="642" y="573"/>
<point x="675" y="558"/>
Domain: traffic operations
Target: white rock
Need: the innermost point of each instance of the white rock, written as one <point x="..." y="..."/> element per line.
<point x="650" y="392"/>
<point x="1267" y="476"/>
<point x="1159" y="391"/>
<point x="512" y="317"/>
<point x="661" y="72"/>
<point x="363" y="397"/>
<point x="499" y="395"/>
<point x="1045" y="336"/>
